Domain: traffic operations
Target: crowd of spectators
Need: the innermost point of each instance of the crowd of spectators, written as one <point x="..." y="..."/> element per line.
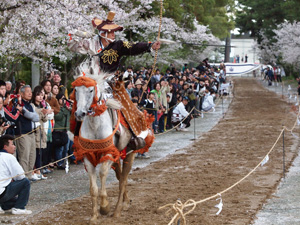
<point x="38" y="118"/>
<point x="272" y="74"/>
<point x="160" y="93"/>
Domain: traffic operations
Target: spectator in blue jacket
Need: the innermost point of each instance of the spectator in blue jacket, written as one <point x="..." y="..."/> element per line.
<point x="25" y="127"/>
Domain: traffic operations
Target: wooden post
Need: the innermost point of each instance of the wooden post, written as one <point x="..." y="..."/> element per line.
<point x="283" y="155"/>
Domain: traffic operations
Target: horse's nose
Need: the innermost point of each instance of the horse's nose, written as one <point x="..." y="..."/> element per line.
<point x="80" y="114"/>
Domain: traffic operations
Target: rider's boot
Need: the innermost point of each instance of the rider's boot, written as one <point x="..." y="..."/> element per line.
<point x="136" y="143"/>
<point x="77" y="128"/>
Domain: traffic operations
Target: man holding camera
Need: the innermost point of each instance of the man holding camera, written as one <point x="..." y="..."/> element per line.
<point x="25" y="126"/>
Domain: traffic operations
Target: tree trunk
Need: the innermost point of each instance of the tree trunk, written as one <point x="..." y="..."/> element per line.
<point x="227" y="49"/>
<point x="35" y="74"/>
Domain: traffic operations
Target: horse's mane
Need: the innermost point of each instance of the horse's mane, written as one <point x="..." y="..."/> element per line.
<point x="90" y="69"/>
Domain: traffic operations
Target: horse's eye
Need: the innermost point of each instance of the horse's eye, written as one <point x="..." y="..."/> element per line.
<point x="91" y="91"/>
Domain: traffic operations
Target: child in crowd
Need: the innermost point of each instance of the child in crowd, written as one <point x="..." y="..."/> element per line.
<point x="161" y="119"/>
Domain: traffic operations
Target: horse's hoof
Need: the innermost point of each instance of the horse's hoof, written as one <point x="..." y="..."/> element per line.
<point x="126" y="206"/>
<point x="105" y="210"/>
<point x="94" y="221"/>
<point x="117" y="214"/>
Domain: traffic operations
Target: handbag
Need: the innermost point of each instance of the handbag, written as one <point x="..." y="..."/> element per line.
<point x="60" y="138"/>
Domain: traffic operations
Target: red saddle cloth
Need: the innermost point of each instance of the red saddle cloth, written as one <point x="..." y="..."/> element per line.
<point x="134" y="117"/>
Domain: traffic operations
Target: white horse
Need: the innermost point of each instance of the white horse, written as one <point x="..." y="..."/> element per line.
<point x="100" y="128"/>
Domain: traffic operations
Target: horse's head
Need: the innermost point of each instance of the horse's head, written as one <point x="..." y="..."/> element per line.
<point x="88" y="84"/>
<point x="85" y="94"/>
<point x="84" y="98"/>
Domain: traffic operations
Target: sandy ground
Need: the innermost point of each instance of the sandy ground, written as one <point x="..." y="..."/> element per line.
<point x="61" y="187"/>
<point x="283" y="207"/>
<point x="209" y="165"/>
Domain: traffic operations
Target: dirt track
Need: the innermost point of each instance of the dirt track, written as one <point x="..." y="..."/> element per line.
<point x="211" y="164"/>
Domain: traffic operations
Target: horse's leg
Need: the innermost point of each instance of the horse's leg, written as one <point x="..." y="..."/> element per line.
<point x="118" y="171"/>
<point x="127" y="164"/>
<point x="93" y="189"/>
<point x="122" y="143"/>
<point x="104" y="203"/>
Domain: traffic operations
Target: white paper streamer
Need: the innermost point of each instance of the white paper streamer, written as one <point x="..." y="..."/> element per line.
<point x="266" y="159"/>
<point x="297" y="103"/>
<point x="67" y="166"/>
<point x="220" y="205"/>
<point x="202" y="116"/>
<point x="289" y="88"/>
<point x="294" y="134"/>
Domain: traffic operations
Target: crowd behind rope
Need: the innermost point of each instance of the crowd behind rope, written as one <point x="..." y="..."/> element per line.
<point x="38" y="119"/>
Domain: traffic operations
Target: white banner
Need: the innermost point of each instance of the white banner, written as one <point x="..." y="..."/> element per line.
<point x="234" y="69"/>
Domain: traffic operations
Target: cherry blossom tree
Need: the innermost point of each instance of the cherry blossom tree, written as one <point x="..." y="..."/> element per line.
<point x="268" y="53"/>
<point x="284" y="48"/>
<point x="288" y="43"/>
<point x="38" y="28"/>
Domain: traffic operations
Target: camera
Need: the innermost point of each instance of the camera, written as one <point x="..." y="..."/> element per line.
<point x="14" y="96"/>
<point x="69" y="101"/>
<point x="6" y="122"/>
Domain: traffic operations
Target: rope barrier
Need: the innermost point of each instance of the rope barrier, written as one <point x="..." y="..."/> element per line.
<point x="142" y="108"/>
<point x="38" y="128"/>
<point x="173" y="128"/>
<point x="194" y="108"/>
<point x="217" y="103"/>
<point x="9" y="178"/>
<point x="179" y="207"/>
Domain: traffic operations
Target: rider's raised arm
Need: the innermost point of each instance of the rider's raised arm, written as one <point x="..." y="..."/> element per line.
<point x="83" y="42"/>
<point x="132" y="48"/>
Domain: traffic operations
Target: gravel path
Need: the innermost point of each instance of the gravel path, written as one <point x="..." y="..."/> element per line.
<point x="283" y="207"/>
<point x="207" y="166"/>
<point x="60" y="187"/>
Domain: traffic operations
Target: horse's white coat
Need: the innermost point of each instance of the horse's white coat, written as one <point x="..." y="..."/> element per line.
<point x="97" y="128"/>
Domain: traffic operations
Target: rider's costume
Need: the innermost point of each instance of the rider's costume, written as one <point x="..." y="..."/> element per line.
<point x="107" y="60"/>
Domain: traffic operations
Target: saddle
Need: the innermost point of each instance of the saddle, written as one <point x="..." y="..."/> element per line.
<point x="133" y="116"/>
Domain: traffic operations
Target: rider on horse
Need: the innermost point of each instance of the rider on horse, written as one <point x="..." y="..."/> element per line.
<point x="106" y="53"/>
